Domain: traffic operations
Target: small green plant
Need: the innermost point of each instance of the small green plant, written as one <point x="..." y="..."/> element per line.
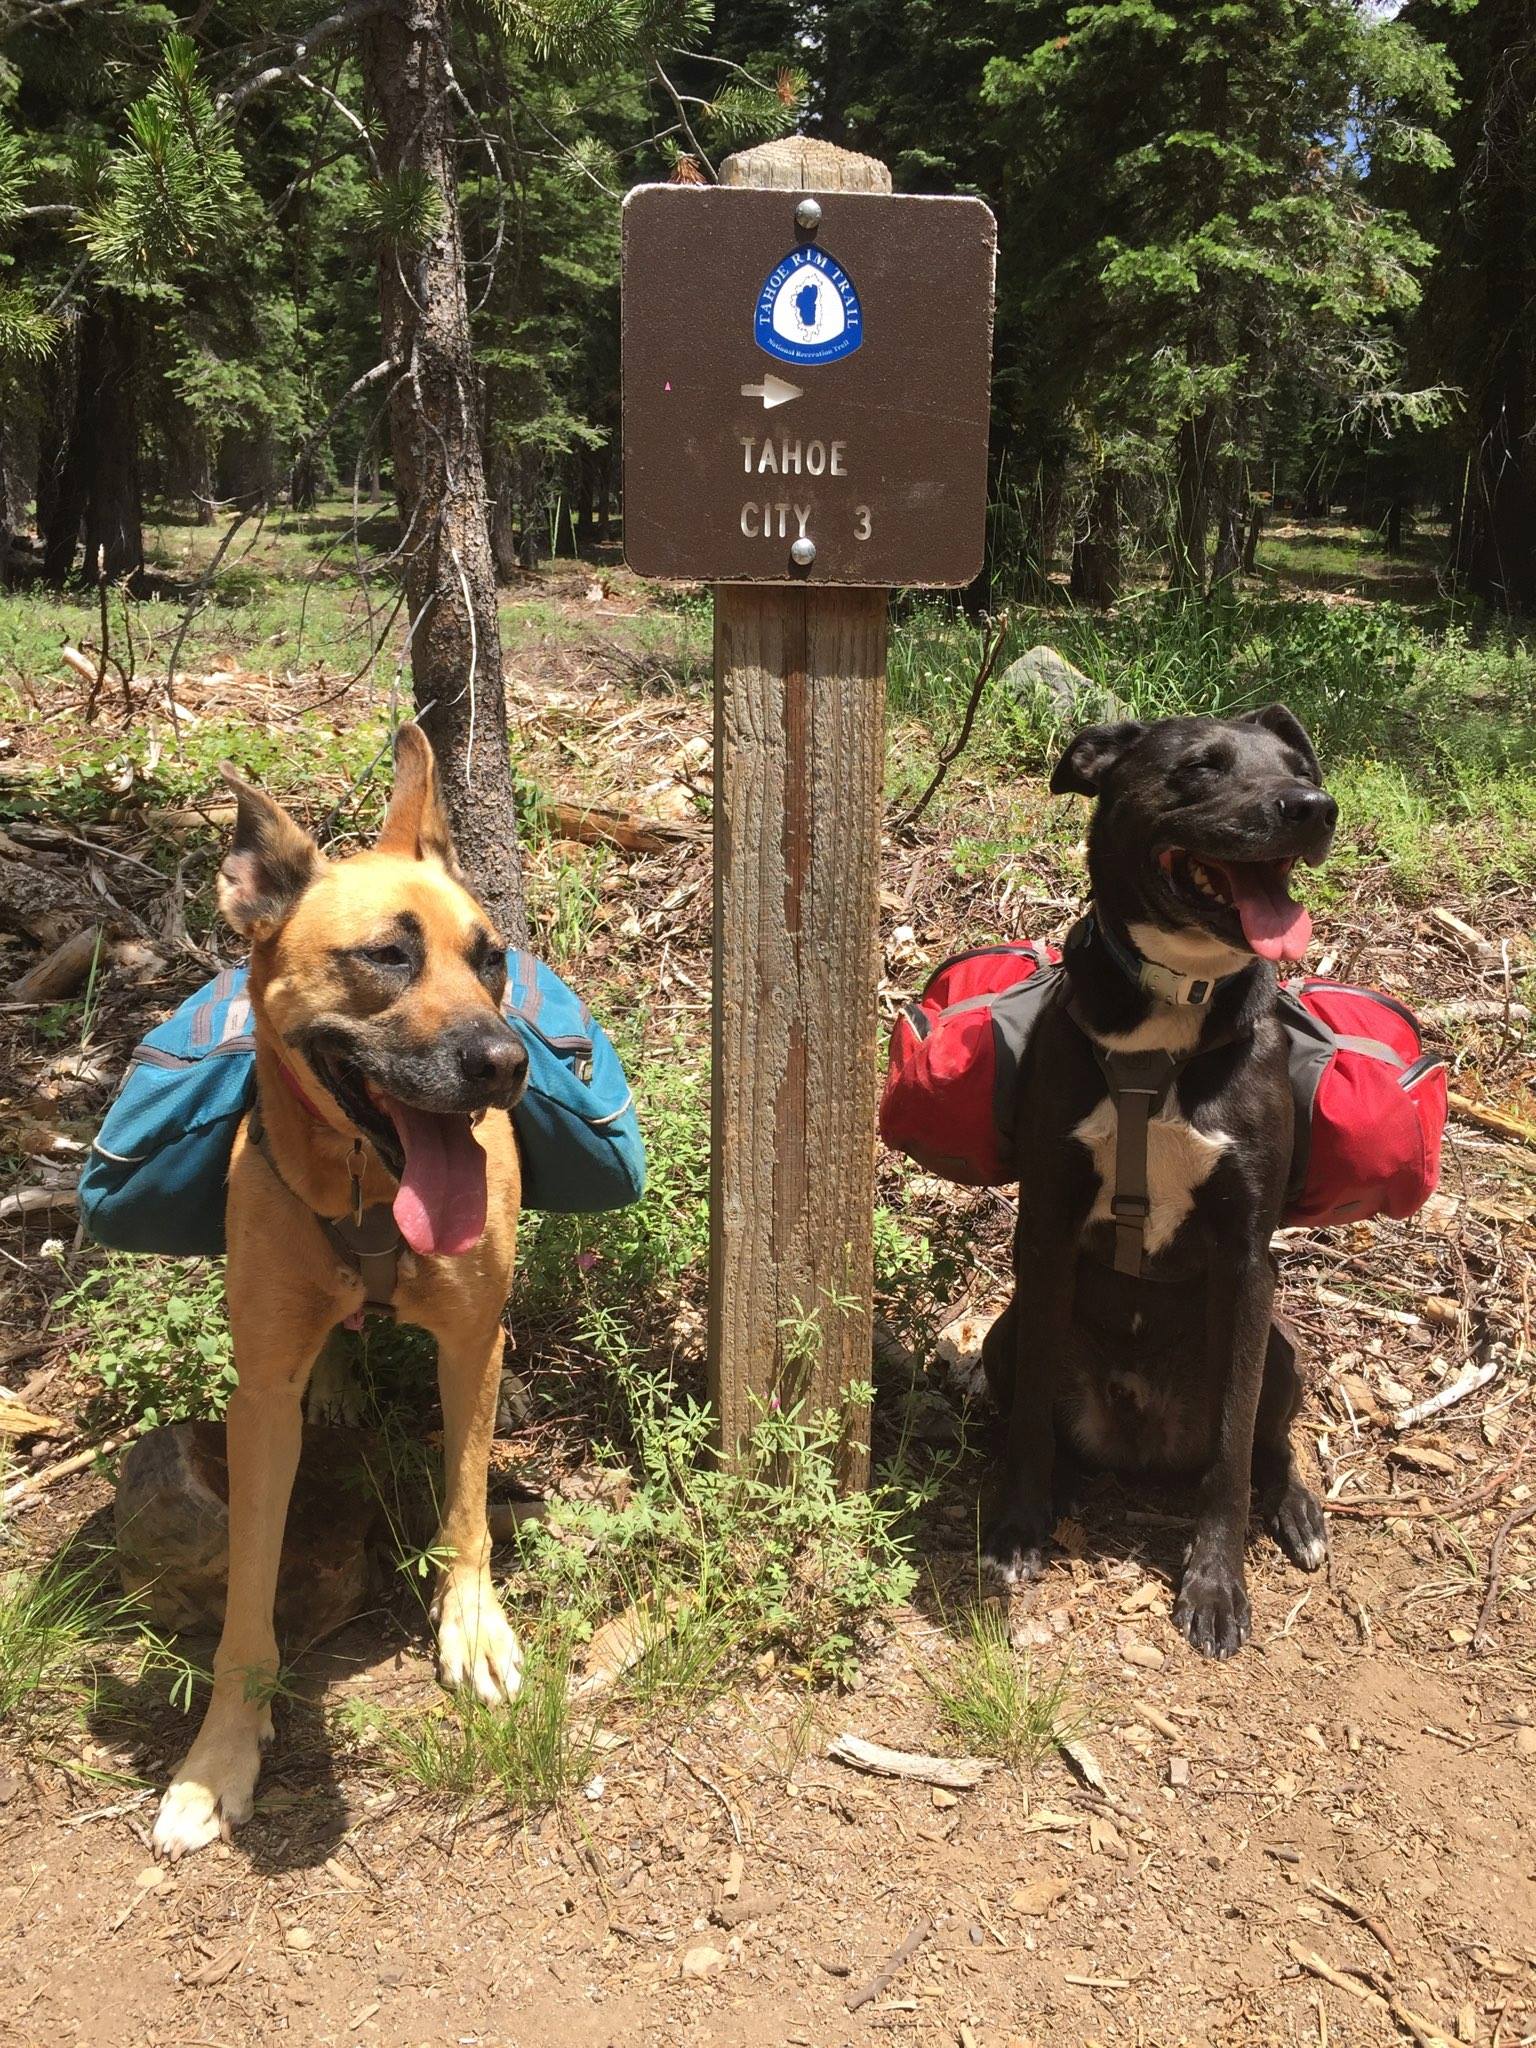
<point x="528" y="1753"/>
<point x="154" y="1333"/>
<point x="51" y="1623"/>
<point x="763" y="1554"/>
<point x="993" y="1700"/>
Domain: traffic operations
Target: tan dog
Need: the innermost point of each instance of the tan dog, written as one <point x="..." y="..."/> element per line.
<point x="385" y="1073"/>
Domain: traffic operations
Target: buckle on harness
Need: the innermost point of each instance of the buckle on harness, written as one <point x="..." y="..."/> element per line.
<point x="1133" y="1208"/>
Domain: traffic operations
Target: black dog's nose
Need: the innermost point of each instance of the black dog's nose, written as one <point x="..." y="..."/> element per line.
<point x="493" y="1059"/>
<point x="1304" y="805"/>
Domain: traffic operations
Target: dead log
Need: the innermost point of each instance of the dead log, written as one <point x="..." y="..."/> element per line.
<point x="62" y="971"/>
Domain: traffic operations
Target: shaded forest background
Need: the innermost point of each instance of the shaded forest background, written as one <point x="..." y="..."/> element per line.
<point x="1252" y="254"/>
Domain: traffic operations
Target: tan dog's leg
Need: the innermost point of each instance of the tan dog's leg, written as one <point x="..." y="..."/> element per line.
<point x="275" y="1346"/>
<point x="475" y="1643"/>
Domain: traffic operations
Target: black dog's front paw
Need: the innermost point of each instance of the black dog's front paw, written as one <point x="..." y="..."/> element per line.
<point x="1297" y="1525"/>
<point x="1212" y="1608"/>
<point x="1014" y="1545"/>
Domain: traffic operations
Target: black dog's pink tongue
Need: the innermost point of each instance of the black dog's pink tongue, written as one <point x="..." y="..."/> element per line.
<point x="440" y="1206"/>
<point x="1275" y="925"/>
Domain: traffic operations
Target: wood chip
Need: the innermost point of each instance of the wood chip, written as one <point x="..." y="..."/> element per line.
<point x="960" y="1773"/>
<point x="216" y="1969"/>
<point x="1157" y="1721"/>
<point x="1084" y="1762"/>
<point x="1423" y="1459"/>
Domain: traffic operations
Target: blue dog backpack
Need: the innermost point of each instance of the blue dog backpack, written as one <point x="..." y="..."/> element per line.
<point x="158" y="1171"/>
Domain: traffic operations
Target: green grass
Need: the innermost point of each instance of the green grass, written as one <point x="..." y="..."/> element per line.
<point x="1426" y="730"/>
<point x="994" y="1702"/>
<point x="51" y="1626"/>
<point x="525" y="1756"/>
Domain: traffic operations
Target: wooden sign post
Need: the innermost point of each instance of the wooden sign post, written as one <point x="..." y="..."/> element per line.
<point x="806" y="369"/>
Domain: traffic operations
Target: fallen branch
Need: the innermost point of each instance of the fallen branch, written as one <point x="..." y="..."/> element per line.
<point x="1491" y="1119"/>
<point x="1424" y="2031"/>
<point x="595" y="825"/>
<point x="958" y="1773"/>
<point x="1481" y="1635"/>
<point x="15" y="1420"/>
<point x="1479" y="1010"/>
<point x="1474" y="1378"/>
<point x="957" y="746"/>
<point x="62" y="971"/>
<point x="36" y="1481"/>
<point x="887" y="1971"/>
<point x="1319" y="1890"/>
<point x="1399" y="1318"/>
<point x="31" y="1201"/>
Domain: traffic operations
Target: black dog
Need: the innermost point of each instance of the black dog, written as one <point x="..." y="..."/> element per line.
<point x="1140" y="1335"/>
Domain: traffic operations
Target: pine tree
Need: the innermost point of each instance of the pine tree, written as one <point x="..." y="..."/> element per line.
<point x="1478" y="332"/>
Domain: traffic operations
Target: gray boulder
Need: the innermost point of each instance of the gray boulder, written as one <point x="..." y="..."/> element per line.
<point x="1044" y="675"/>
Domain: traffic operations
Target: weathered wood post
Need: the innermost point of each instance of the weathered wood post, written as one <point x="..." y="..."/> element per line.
<point x="804" y="501"/>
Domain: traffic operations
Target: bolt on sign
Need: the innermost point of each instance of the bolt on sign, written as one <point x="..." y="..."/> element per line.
<point x="806" y="385"/>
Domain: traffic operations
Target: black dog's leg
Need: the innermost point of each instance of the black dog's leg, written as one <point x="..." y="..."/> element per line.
<point x="1212" y="1607"/>
<point x="1020" y="1526"/>
<point x="1290" y="1509"/>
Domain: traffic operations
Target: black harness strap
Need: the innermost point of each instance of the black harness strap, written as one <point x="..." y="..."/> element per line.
<point x="368" y="1240"/>
<point x="1139" y="1085"/>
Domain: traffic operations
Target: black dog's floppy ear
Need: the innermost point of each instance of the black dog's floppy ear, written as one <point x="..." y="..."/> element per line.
<point x="271" y="864"/>
<point x="416" y="825"/>
<point x="1285" y="725"/>
<point x="1083" y="767"/>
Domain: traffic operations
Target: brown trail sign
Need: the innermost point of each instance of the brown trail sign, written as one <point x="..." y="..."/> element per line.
<point x="806" y="382"/>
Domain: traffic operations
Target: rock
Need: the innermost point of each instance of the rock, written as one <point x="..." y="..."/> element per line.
<point x="959" y="1352"/>
<point x="1036" y="1899"/>
<point x="172" y="1522"/>
<point x="1525" y="1744"/>
<point x="703" y="1961"/>
<point x="1075" y="698"/>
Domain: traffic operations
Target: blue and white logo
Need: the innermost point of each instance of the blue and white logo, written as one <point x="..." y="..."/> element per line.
<point x="808" y="311"/>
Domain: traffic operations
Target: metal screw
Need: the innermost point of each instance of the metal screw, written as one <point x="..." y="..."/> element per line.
<point x="808" y="216"/>
<point x="802" y="552"/>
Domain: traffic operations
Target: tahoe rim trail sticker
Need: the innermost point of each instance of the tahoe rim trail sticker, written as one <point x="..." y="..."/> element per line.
<point x="808" y="310"/>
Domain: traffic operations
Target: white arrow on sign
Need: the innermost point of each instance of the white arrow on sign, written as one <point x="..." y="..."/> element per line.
<point x="772" y="391"/>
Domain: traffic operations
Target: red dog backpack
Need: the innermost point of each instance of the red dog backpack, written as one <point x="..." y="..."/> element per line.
<point x="1370" y="1102"/>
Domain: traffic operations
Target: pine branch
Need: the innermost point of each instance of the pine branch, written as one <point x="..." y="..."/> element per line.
<point x="339" y="24"/>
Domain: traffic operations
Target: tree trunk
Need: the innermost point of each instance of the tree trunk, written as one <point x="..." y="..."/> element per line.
<point x="107" y="430"/>
<point x="1394" y="539"/>
<point x="450" y="578"/>
<point x="605" y="494"/>
<point x="1229" y="528"/>
<point x="1096" y="543"/>
<point x="1192" y="493"/>
<point x="1251" y="537"/>
<point x="586" y="501"/>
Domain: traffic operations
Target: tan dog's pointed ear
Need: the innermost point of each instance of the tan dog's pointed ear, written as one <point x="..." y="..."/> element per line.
<point x="271" y="864"/>
<point x="416" y="825"/>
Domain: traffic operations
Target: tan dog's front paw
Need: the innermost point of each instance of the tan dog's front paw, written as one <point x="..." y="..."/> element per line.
<point x="476" y="1645"/>
<point x="214" y="1790"/>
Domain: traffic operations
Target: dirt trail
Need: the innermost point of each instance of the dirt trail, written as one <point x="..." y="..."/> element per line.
<point x="1330" y="1839"/>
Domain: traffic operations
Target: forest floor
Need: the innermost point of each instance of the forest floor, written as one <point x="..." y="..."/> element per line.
<point x="1330" y="1839"/>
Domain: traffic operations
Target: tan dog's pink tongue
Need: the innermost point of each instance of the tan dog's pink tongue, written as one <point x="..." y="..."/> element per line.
<point x="1274" y="923"/>
<point x="440" y="1206"/>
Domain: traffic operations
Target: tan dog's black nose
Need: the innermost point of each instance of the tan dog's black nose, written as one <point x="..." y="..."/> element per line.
<point x="493" y="1060"/>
